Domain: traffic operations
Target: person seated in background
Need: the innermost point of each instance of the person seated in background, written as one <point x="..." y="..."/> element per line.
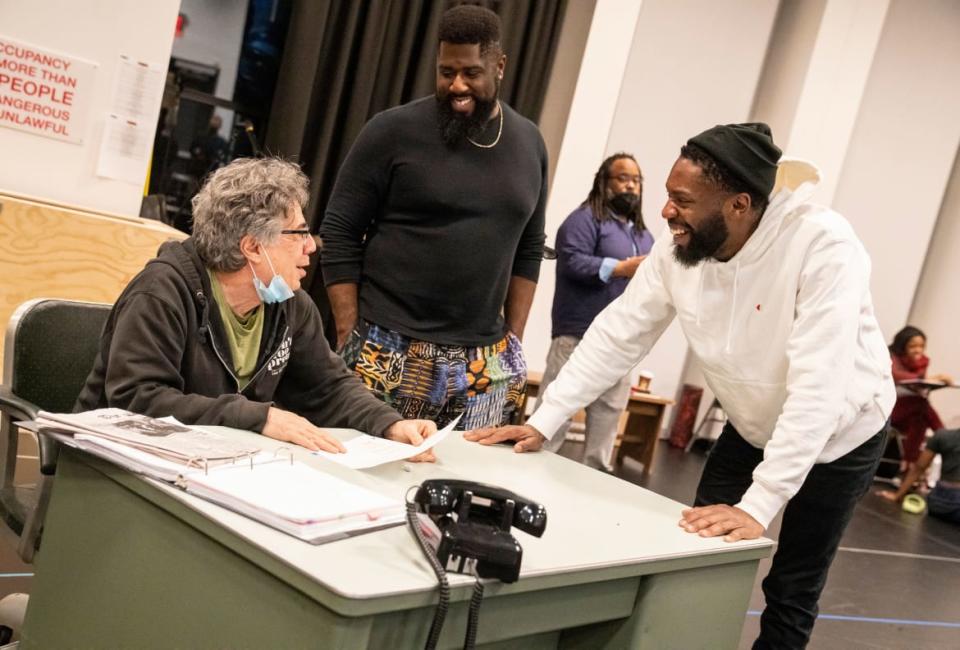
<point x="215" y="330"/>
<point x="944" y="500"/>
<point x="599" y="247"/>
<point x="209" y="150"/>
<point x="912" y="414"/>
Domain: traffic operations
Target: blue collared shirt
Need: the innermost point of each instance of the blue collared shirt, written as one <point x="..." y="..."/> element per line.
<point x="587" y="252"/>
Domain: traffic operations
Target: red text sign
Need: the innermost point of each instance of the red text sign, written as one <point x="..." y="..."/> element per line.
<point x="44" y="92"/>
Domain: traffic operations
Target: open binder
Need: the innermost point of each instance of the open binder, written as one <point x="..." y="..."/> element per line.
<point x="270" y="487"/>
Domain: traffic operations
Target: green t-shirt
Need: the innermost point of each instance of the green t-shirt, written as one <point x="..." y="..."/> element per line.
<point x="243" y="334"/>
<point x="946" y="442"/>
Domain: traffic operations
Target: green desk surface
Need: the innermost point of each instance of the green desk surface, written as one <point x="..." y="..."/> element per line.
<point x="606" y="542"/>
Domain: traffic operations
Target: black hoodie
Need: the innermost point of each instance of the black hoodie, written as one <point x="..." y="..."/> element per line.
<point x="163" y="352"/>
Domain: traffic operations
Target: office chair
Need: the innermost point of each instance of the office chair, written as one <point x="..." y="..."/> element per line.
<point x="49" y="350"/>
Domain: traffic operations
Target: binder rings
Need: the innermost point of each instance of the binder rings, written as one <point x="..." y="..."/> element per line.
<point x="270" y="487"/>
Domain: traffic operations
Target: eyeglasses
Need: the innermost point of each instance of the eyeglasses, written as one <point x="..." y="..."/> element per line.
<point x="303" y="232"/>
<point x="626" y="178"/>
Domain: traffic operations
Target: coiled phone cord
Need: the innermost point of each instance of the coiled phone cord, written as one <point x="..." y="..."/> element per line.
<point x="444" y="602"/>
<point x="470" y="640"/>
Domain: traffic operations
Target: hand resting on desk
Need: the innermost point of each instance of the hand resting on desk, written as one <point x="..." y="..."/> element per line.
<point x="731" y="522"/>
<point x="526" y="437"/>
<point x="413" y="432"/>
<point x="290" y="427"/>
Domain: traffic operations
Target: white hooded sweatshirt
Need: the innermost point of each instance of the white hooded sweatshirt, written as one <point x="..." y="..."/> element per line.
<point x="784" y="332"/>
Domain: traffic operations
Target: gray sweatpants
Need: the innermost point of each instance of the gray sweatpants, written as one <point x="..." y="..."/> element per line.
<point x="603" y="415"/>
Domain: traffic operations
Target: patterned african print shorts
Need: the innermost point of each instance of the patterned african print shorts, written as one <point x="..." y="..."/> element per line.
<point x="429" y="381"/>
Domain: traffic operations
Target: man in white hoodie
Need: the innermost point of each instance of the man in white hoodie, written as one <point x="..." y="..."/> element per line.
<point x="772" y="293"/>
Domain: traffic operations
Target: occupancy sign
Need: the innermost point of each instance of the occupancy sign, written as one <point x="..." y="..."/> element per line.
<point x="44" y="92"/>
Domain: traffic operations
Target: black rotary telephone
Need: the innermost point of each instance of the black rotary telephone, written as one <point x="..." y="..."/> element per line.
<point x="464" y="527"/>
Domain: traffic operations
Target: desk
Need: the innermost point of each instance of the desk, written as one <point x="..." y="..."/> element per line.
<point x="640" y="430"/>
<point x="130" y="562"/>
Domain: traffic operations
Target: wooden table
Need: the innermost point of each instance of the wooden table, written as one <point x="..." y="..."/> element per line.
<point x="639" y="427"/>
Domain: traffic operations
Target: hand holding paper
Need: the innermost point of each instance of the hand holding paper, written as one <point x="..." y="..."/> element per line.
<point x="370" y="451"/>
<point x="413" y="432"/>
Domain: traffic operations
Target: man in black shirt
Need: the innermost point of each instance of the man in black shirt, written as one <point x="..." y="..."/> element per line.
<point x="433" y="238"/>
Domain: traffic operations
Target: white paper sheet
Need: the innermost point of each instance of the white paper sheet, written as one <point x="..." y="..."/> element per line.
<point x="124" y="150"/>
<point x="131" y="121"/>
<point x="137" y="90"/>
<point x="370" y="451"/>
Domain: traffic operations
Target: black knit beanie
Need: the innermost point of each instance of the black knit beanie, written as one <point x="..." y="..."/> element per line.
<point x="747" y="150"/>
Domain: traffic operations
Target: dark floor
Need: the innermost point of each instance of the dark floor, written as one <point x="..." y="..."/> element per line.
<point x="895" y="583"/>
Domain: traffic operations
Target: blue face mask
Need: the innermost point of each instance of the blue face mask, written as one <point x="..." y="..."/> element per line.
<point x="278" y="291"/>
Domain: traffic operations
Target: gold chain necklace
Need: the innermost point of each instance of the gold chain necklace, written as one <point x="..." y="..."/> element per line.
<point x="499" y="132"/>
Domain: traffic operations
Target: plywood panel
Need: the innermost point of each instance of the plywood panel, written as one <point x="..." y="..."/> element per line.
<point x="55" y="251"/>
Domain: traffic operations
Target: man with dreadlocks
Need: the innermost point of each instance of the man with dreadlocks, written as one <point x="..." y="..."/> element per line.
<point x="599" y="247"/>
<point x="433" y="238"/>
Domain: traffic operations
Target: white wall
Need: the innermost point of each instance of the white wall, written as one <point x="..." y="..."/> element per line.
<point x="902" y="149"/>
<point x="856" y="86"/>
<point x="588" y="124"/>
<point x="936" y="308"/>
<point x="99" y="32"/>
<point x="785" y="69"/>
<point x="830" y="98"/>
<point x="563" y="77"/>
<point x="214" y="36"/>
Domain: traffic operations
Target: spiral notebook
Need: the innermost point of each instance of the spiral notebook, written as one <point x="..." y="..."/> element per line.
<point x="270" y="487"/>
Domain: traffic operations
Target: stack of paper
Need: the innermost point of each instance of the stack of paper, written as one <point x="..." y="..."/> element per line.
<point x="297" y="499"/>
<point x="275" y="490"/>
<point x="166" y="437"/>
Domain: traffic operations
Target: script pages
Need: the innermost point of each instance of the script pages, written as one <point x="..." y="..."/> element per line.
<point x="165" y="438"/>
<point x="276" y="490"/>
<point x="297" y="499"/>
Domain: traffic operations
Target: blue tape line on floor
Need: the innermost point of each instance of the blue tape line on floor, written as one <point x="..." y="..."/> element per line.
<point x="868" y="619"/>
<point x="16" y="575"/>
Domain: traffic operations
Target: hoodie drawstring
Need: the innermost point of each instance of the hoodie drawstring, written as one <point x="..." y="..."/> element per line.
<point x="700" y="291"/>
<point x="204" y="314"/>
<point x="733" y="306"/>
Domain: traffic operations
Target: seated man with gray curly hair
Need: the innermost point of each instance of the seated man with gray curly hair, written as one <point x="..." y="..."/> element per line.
<point x="214" y="330"/>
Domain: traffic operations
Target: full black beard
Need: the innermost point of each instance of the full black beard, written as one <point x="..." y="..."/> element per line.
<point x="704" y="242"/>
<point x="623" y="204"/>
<point x="454" y="127"/>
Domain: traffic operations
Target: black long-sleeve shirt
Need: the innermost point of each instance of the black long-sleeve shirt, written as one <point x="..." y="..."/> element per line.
<point x="431" y="233"/>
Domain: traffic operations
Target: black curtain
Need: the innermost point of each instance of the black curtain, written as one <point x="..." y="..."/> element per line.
<point x="346" y="60"/>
